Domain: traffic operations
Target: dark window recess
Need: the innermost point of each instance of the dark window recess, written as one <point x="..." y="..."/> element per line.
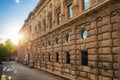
<point x="85" y="58"/>
<point x="67" y="57"/>
<point x="57" y="57"/>
<point x="51" y="23"/>
<point x="48" y="56"/>
<point x="49" y="43"/>
<point x="56" y="40"/>
<point x="44" y="23"/>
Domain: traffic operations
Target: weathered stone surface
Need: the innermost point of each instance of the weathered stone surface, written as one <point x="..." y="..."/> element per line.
<point x="101" y="45"/>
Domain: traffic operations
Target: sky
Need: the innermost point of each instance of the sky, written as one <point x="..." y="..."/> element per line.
<point x="12" y="16"/>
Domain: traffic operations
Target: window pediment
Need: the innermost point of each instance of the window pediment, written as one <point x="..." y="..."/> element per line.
<point x="67" y="2"/>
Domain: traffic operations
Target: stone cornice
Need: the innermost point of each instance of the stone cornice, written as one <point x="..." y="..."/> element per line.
<point x="80" y="16"/>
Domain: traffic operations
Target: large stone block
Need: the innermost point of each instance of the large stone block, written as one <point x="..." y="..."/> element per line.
<point x="92" y="57"/>
<point x="91" y="45"/>
<point x="93" y="25"/>
<point x="107" y="65"/>
<point x="115" y="42"/>
<point x="114" y="34"/>
<point x="93" y="38"/>
<point x="100" y="37"/>
<point x="116" y="65"/>
<point x="92" y="51"/>
<point x="92" y="77"/>
<point x="114" y="50"/>
<point x="107" y="73"/>
<point x="92" y="32"/>
<point x="105" y="43"/>
<point x="92" y="63"/>
<point x="106" y="50"/>
<point x="107" y="58"/>
<point x="106" y="20"/>
<point x="83" y="74"/>
<point x="107" y="35"/>
<point x="116" y="74"/>
<point x="115" y="19"/>
<point x="106" y="28"/>
<point x="116" y="26"/>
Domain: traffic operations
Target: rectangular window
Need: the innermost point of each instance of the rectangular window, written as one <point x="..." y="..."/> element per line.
<point x="44" y="23"/>
<point x="85" y="58"/>
<point x="67" y="57"/>
<point x="59" y="18"/>
<point x="86" y="4"/>
<point x="39" y="26"/>
<point x="57" y="57"/>
<point x="70" y="15"/>
<point x="48" y="56"/>
<point x="50" y="22"/>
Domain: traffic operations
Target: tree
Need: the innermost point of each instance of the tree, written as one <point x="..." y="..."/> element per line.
<point x="7" y="49"/>
<point x="10" y="46"/>
<point x="2" y="50"/>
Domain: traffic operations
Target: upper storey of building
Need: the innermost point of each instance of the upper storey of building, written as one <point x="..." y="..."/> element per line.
<point x="48" y="15"/>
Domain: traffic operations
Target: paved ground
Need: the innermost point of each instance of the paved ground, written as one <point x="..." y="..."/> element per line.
<point x="17" y="71"/>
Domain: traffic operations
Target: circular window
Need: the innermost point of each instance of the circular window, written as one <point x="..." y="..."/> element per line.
<point x="84" y="34"/>
<point x="68" y="38"/>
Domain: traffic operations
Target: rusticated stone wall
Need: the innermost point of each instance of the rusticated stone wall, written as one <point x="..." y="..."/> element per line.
<point x="51" y="52"/>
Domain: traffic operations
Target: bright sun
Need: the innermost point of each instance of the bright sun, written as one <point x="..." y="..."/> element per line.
<point x="15" y="38"/>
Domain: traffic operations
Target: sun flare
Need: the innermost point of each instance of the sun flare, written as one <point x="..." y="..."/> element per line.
<point x="15" y="38"/>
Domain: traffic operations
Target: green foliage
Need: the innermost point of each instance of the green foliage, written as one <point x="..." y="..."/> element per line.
<point x="7" y="49"/>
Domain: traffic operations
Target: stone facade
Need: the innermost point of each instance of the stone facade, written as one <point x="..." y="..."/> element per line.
<point x="57" y="43"/>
